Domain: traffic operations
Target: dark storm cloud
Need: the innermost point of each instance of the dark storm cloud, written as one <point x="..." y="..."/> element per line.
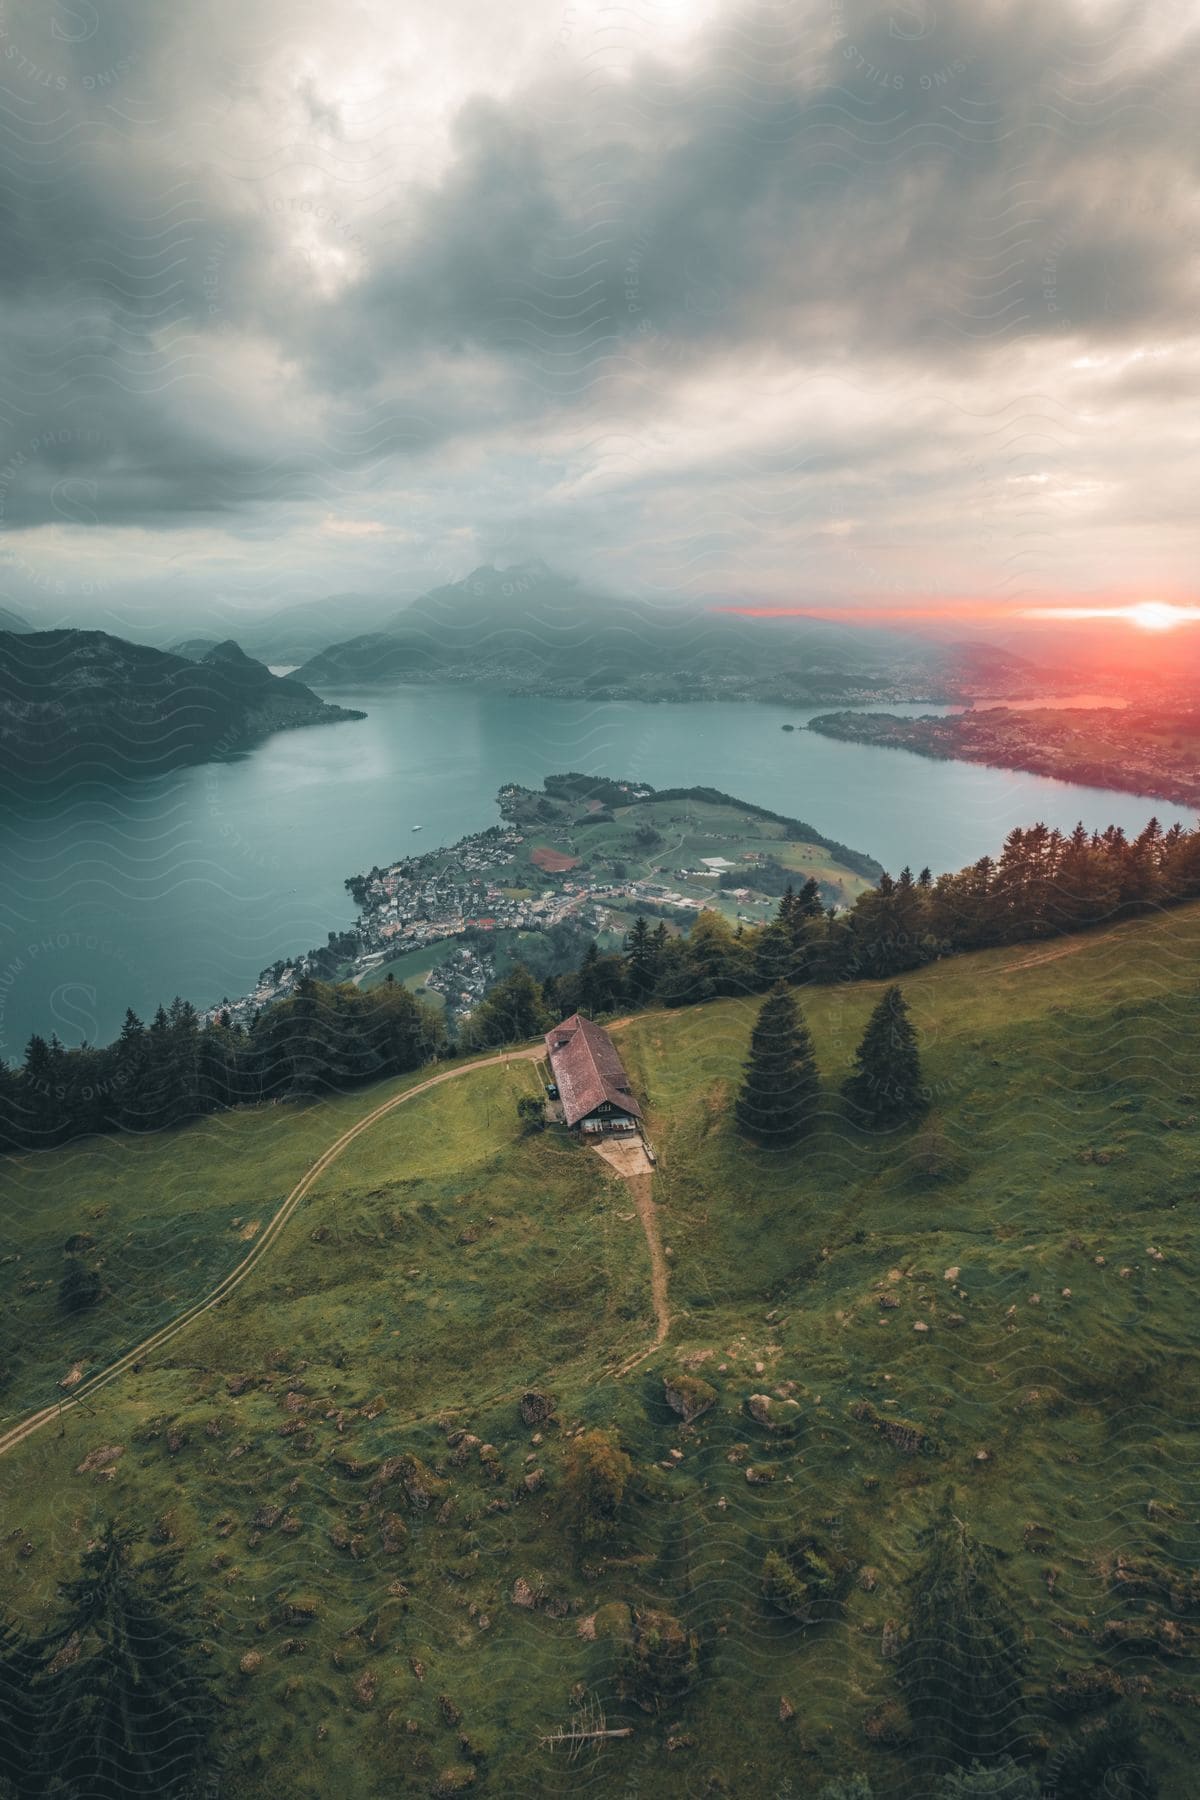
<point x="217" y="295"/>
<point x="820" y="180"/>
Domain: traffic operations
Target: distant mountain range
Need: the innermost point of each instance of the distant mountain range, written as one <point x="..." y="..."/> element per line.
<point x="11" y="621"/>
<point x="291" y="634"/>
<point x="76" y="699"/>
<point x="533" y="630"/>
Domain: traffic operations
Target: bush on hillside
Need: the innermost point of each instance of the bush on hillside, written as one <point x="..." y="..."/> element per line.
<point x="79" y="1288"/>
<point x="597" y="1474"/>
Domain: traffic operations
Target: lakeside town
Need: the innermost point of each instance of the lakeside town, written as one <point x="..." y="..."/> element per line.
<point x="1156" y="753"/>
<point x="579" y="860"/>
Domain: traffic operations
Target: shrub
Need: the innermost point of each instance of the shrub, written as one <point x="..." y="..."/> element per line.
<point x="531" y="1110"/>
<point x="79" y="1288"/>
<point x="1105" y="1762"/>
<point x="804" y="1581"/>
<point x="662" y="1659"/>
<point x="783" y="1588"/>
<point x="1004" y="1780"/>
<point x="597" y="1473"/>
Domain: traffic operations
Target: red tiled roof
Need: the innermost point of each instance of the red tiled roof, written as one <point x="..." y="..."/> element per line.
<point x="587" y="1069"/>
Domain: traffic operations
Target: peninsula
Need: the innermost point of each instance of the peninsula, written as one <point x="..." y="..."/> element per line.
<point x="577" y="859"/>
<point x="1144" y="751"/>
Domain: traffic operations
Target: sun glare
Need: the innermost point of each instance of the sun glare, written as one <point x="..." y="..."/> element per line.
<point x="1156" y="615"/>
<point x="1147" y="615"/>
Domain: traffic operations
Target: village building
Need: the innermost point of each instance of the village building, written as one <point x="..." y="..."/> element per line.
<point x="593" y="1087"/>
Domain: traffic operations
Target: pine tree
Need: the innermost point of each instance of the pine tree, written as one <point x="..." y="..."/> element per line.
<point x="590" y="995"/>
<point x="124" y="1710"/>
<point x="886" y="1086"/>
<point x="960" y="1665"/>
<point x="512" y="1011"/>
<point x="19" y="1662"/>
<point x="129" y="1056"/>
<point x="808" y="900"/>
<point x="643" y="960"/>
<point x="774" y="954"/>
<point x="781" y="1086"/>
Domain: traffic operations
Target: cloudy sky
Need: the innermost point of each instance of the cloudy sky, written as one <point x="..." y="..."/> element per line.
<point x="818" y="303"/>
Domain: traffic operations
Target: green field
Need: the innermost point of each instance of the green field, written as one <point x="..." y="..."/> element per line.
<point x="411" y="968"/>
<point x="445" y="1264"/>
<point x="685" y="831"/>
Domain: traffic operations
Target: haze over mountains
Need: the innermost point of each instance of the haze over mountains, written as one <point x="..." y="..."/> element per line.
<point x="537" y="630"/>
<point x="528" y="628"/>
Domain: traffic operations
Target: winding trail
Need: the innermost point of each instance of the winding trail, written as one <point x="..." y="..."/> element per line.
<point x="262" y="1244"/>
<point x="648" y="1213"/>
<point x="628" y="1161"/>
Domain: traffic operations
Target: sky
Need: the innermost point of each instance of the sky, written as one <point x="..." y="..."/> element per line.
<point x="818" y="304"/>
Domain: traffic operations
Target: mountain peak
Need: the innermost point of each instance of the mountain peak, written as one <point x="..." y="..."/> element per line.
<point x="229" y="651"/>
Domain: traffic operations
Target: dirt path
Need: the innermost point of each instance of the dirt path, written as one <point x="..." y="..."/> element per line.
<point x="628" y="1160"/>
<point x="648" y="1214"/>
<point x="262" y="1244"/>
<point x="1035" y="962"/>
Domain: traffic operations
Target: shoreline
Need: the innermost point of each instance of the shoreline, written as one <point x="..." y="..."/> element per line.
<point x="917" y="737"/>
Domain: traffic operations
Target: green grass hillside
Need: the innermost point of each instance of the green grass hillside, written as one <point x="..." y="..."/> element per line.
<point x="393" y="1608"/>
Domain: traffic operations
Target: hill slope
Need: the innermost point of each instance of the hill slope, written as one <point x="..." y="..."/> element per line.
<point x="1041" y="1225"/>
<point x="82" y="698"/>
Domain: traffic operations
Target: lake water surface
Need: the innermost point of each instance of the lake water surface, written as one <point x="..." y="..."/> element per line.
<point x="193" y="882"/>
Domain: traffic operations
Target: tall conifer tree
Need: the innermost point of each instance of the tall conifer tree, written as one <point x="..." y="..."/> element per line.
<point x="886" y="1086"/>
<point x="781" y="1086"/>
<point x="960" y="1665"/>
<point x="125" y="1710"/>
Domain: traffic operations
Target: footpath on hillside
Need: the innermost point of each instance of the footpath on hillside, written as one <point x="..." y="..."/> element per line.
<point x="627" y="1158"/>
<point x="263" y="1243"/>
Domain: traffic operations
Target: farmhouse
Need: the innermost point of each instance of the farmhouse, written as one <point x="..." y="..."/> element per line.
<point x="592" y="1085"/>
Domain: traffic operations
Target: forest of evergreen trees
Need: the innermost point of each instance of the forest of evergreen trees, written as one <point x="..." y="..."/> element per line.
<point x="327" y="1037"/>
<point x="1043" y="883"/>
<point x="321" y="1038"/>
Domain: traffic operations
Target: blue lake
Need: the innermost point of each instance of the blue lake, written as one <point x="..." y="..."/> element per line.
<point x="193" y="882"/>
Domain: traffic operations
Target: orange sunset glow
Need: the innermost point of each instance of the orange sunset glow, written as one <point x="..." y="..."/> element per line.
<point x="1145" y="615"/>
<point x="1148" y="615"/>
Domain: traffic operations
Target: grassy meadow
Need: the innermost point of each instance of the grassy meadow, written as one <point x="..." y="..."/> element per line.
<point x="359" y="1613"/>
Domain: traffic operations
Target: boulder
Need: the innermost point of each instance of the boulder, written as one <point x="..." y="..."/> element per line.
<point x="393" y="1533"/>
<point x="775" y="1415"/>
<point x="536" y="1407"/>
<point x="420" y="1486"/>
<point x="688" y="1395"/>
<point x="459" y="1778"/>
<point x="100" y="1461"/>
